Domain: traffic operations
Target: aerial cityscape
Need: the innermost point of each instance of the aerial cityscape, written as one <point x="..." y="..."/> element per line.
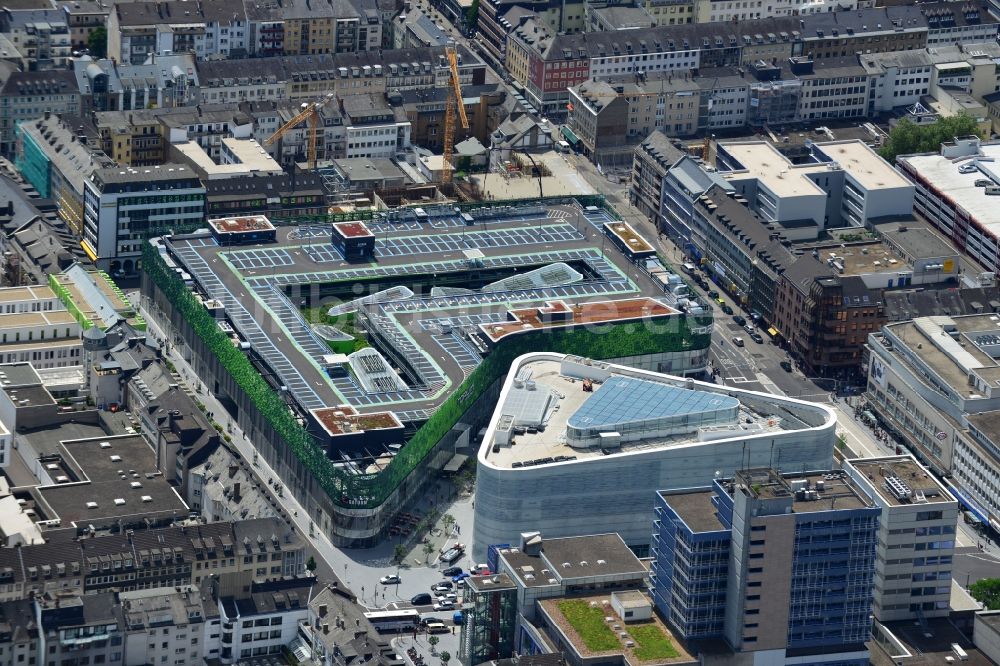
<point x="499" y="332"/>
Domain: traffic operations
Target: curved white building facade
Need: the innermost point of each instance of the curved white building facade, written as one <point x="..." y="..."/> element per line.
<point x="534" y="475"/>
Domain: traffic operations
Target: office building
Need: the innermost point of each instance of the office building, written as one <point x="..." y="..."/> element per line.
<point x="489" y="605"/>
<point x="124" y="206"/>
<point x="780" y="566"/>
<point x="916" y="537"/>
<point x="610" y="432"/>
<point x="930" y="384"/>
<point x="557" y="583"/>
<point x="956" y="191"/>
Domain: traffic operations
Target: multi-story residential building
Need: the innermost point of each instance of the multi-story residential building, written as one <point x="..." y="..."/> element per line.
<point x="30" y="95"/>
<point x="42" y="37"/>
<point x="415" y="29"/>
<point x="916" y="537"/>
<point x="612" y="114"/>
<point x="707" y="11"/>
<point x="336" y="26"/>
<point x="670" y="12"/>
<point x="18" y="633"/>
<point x="83" y="17"/>
<point x="497" y="18"/>
<point x="653" y="158"/>
<point x="308" y="78"/>
<point x="742" y="561"/>
<point x="163" y="625"/>
<point x="166" y="81"/>
<point x="166" y="557"/>
<point x="617" y="481"/>
<point x="137" y="30"/>
<point x="80" y="627"/>
<point x="947" y="194"/>
<point x="339" y="634"/>
<point x="123" y="206"/>
<point x="263" y="618"/>
<point x="725" y="98"/>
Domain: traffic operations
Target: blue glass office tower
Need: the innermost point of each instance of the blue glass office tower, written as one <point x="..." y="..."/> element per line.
<point x="778" y="566"/>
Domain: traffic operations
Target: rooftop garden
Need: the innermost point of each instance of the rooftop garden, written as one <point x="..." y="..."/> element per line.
<point x="588" y="622"/>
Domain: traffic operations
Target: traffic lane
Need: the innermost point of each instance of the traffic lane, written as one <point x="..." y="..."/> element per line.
<point x="970" y="564"/>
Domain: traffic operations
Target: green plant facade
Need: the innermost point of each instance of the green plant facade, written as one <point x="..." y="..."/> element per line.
<point x="369" y="491"/>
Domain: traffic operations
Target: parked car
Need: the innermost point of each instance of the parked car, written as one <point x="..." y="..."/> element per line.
<point x="756" y="337"/>
<point x="436" y="628"/>
<point x="451" y="571"/>
<point x="713" y="294"/>
<point x="422" y="599"/>
<point x="750" y="329"/>
<point x="786" y="366"/>
<point x="738" y="341"/>
<point x="740" y="321"/>
<point x="726" y="309"/>
<point x="448" y="596"/>
<point x="459" y="577"/>
<point x="458" y="617"/>
<point x="443" y="587"/>
<point x="391" y="579"/>
<point x="444" y="605"/>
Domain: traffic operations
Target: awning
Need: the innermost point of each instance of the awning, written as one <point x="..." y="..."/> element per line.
<point x="773" y="332"/>
<point x="455" y="463"/>
<point x="90" y="252"/>
<point x="570" y="135"/>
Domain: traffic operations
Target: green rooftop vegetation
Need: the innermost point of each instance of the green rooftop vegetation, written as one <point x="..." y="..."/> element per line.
<point x="589" y="623"/>
<point x="651" y="643"/>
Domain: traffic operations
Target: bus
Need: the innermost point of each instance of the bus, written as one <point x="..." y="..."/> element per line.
<point x="395" y="620"/>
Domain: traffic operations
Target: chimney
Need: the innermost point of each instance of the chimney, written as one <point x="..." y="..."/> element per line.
<point x="236" y="491"/>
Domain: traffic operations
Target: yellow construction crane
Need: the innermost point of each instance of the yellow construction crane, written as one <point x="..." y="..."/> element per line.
<point x="310" y="114"/>
<point x="454" y="99"/>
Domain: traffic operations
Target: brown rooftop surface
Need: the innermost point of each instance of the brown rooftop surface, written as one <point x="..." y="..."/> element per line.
<point x="233" y="225"/>
<point x="629" y="236"/>
<point x="353" y="229"/>
<point x="583" y="313"/>
<point x="696" y="510"/>
<point x="345" y="419"/>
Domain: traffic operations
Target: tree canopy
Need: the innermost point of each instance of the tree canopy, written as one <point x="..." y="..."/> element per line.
<point x="987" y="590"/>
<point x="908" y="137"/>
<point x="97" y="43"/>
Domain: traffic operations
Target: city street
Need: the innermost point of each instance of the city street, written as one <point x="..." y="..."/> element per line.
<point x="358" y="569"/>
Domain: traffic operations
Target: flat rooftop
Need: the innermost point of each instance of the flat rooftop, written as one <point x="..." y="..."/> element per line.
<point x="353" y="229"/>
<point x="627" y="234"/>
<point x="33" y="293"/>
<point x="863" y="164"/>
<point x="243" y="224"/>
<point x="36" y="319"/>
<point x="505" y="242"/>
<point x="867" y="258"/>
<point x="573" y="557"/>
<point x="117" y="477"/>
<point x="618" y="626"/>
<point x="563" y="396"/>
<point x="910" y="476"/>
<point x="250" y="159"/>
<point x="765" y="163"/>
<point x="526" y="319"/>
<point x="834" y="490"/>
<point x="942" y="174"/>
<point x="926" y="337"/>
<point x="695" y="508"/>
<point x="345" y="420"/>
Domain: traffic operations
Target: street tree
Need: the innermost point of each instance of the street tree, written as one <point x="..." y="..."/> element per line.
<point x="987" y="590"/>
